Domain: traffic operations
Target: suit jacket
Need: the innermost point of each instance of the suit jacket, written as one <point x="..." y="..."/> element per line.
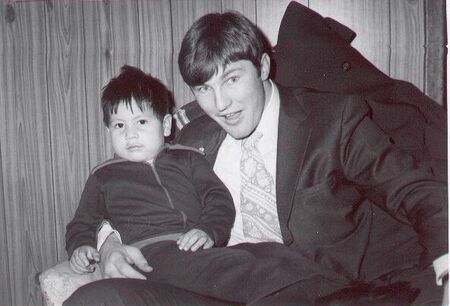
<point x="346" y="195"/>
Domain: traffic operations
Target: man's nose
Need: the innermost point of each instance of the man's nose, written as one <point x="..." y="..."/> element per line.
<point x="222" y="100"/>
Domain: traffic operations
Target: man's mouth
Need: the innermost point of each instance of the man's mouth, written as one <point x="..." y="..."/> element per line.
<point x="232" y="116"/>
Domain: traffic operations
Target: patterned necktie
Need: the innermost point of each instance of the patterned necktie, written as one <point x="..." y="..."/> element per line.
<point x="258" y="200"/>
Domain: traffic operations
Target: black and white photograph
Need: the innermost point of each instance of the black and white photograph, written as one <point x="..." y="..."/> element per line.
<point x="224" y="152"/>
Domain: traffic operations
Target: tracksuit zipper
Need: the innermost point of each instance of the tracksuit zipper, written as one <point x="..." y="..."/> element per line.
<point x="158" y="179"/>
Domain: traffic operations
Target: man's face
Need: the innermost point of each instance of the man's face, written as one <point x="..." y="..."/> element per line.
<point x="137" y="135"/>
<point x="235" y="97"/>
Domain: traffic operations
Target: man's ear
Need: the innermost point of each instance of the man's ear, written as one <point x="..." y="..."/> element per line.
<point x="167" y="125"/>
<point x="265" y="66"/>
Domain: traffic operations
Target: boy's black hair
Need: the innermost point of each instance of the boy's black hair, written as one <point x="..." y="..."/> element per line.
<point x="133" y="83"/>
<point x="216" y="40"/>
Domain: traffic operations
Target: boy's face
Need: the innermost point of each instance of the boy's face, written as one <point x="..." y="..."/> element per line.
<point x="135" y="135"/>
<point x="235" y="97"/>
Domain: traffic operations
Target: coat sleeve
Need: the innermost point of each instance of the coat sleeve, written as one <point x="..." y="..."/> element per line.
<point x="90" y="212"/>
<point x="217" y="216"/>
<point x="394" y="180"/>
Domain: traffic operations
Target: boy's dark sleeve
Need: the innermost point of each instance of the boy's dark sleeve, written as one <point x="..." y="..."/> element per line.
<point x="218" y="211"/>
<point x="90" y="212"/>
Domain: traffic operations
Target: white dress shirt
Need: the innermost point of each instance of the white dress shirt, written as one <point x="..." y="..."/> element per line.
<point x="227" y="165"/>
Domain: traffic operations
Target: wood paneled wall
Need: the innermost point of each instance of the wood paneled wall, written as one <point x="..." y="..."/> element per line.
<point x="55" y="56"/>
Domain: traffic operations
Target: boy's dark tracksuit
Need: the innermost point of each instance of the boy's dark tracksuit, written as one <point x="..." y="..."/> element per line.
<point x="176" y="192"/>
<point x="150" y="204"/>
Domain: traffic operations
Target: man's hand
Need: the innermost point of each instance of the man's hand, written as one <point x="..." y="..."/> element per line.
<point x="194" y="239"/>
<point x="117" y="260"/>
<point x="83" y="259"/>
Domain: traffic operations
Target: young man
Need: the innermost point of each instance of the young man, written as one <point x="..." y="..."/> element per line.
<point x="334" y="180"/>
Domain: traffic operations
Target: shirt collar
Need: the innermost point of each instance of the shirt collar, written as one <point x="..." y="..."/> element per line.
<point x="268" y="125"/>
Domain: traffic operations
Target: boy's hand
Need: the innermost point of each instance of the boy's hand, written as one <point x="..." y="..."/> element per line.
<point x="194" y="239"/>
<point x="83" y="258"/>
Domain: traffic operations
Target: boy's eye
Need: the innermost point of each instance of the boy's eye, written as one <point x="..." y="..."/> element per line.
<point x="118" y="125"/>
<point x="142" y="122"/>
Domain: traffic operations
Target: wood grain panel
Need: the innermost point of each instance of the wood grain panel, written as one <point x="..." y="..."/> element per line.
<point x="246" y="7"/>
<point x="269" y="14"/>
<point x="435" y="51"/>
<point x="26" y="154"/>
<point x="7" y="26"/>
<point x="67" y="107"/>
<point x="407" y="41"/>
<point x="124" y="34"/>
<point x="5" y="289"/>
<point x="184" y="13"/>
<point x="112" y="39"/>
<point x="369" y="19"/>
<point x="155" y="43"/>
<point x="99" y="69"/>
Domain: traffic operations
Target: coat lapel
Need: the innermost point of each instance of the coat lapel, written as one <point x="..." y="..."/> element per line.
<point x="293" y="138"/>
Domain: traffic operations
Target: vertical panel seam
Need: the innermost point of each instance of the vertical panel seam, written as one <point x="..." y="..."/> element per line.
<point x="52" y="145"/>
<point x="4" y="227"/>
<point x="140" y="60"/>
<point x="9" y="277"/>
<point x="172" y="77"/>
<point x="256" y="12"/>
<point x="425" y="48"/>
<point x="444" y="53"/>
<point x="83" y="32"/>
<point x="173" y="59"/>
<point x="390" y="39"/>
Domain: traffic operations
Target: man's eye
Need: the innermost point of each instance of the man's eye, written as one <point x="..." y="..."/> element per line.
<point x="232" y="80"/>
<point x="201" y="89"/>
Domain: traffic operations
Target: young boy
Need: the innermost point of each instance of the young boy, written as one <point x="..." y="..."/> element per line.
<point x="149" y="189"/>
<point x="167" y="200"/>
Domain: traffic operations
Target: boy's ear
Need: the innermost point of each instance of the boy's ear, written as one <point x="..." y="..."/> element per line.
<point x="265" y="66"/>
<point x="167" y="125"/>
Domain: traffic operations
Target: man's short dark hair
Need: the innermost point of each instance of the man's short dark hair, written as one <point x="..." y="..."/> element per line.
<point x="216" y="40"/>
<point x="133" y="83"/>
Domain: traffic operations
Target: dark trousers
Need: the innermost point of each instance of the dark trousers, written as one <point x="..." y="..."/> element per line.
<point x="133" y="292"/>
<point x="240" y="274"/>
<point x="405" y="287"/>
<point x="258" y="274"/>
